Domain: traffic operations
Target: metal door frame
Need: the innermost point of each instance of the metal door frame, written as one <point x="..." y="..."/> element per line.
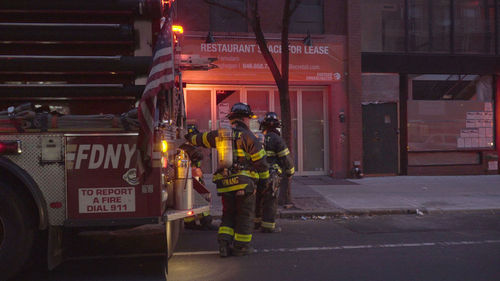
<point x="272" y="90"/>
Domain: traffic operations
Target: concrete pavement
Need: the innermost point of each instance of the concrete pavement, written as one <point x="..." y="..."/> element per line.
<point x="322" y="195"/>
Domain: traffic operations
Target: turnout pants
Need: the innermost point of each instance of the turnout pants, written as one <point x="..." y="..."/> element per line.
<point x="266" y="207"/>
<point x="285" y="194"/>
<point x="237" y="219"/>
<point x="267" y="204"/>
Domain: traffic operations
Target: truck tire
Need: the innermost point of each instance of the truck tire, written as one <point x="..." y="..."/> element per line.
<point x="17" y="232"/>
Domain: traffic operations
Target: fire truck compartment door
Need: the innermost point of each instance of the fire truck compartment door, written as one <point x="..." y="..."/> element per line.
<point x="102" y="182"/>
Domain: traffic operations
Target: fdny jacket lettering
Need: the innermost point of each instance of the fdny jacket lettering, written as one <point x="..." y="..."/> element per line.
<point x="99" y="156"/>
<point x="230" y="181"/>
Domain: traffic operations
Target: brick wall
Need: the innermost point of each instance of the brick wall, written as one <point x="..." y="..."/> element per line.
<point x="195" y="16"/>
<point x="354" y="84"/>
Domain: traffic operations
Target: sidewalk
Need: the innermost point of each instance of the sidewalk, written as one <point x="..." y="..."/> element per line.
<point x="322" y="195"/>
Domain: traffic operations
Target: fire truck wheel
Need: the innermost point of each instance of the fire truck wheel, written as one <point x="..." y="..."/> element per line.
<point x="16" y="232"/>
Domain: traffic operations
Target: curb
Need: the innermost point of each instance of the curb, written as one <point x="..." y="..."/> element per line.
<point x="342" y="213"/>
<point x="297" y="214"/>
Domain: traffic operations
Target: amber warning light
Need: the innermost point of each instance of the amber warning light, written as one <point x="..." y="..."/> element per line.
<point x="10" y="147"/>
<point x="164" y="146"/>
<point x="177" y="29"/>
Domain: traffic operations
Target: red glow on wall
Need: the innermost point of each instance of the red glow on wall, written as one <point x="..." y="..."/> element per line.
<point x="497" y="117"/>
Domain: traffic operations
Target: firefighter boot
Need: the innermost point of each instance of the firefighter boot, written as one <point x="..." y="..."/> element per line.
<point x="206" y="223"/>
<point x="257" y="223"/>
<point x="276" y="229"/>
<point x="224" y="249"/>
<point x="239" y="251"/>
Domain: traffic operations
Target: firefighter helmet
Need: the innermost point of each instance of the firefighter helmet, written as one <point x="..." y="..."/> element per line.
<point x="270" y="120"/>
<point x="192" y="129"/>
<point x="240" y="110"/>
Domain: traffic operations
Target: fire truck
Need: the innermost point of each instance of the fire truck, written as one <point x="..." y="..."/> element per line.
<point x="71" y="73"/>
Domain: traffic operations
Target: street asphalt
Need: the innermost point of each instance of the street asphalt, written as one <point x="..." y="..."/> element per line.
<point x="325" y="196"/>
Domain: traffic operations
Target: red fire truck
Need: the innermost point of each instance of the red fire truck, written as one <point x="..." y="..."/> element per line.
<point x="67" y="156"/>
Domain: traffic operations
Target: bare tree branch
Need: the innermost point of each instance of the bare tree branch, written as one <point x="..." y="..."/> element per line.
<point x="217" y="4"/>
<point x="296" y="4"/>
<point x="261" y="41"/>
<point x="281" y="77"/>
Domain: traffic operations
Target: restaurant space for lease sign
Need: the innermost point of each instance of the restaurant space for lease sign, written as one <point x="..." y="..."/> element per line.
<point x="241" y="60"/>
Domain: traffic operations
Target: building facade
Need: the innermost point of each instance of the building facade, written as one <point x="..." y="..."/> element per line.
<point x="325" y="76"/>
<point x="430" y="86"/>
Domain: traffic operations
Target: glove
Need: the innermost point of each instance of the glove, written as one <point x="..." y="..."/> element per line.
<point x="264" y="183"/>
<point x="188" y="136"/>
<point x="194" y="153"/>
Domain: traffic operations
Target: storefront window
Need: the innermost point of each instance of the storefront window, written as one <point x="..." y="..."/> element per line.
<point x="474" y="26"/>
<point x="429" y="25"/>
<point x="198" y="112"/>
<point x="259" y="102"/>
<point x="293" y="111"/>
<point x="383" y="25"/>
<point x="225" y="99"/>
<point x="450" y="112"/>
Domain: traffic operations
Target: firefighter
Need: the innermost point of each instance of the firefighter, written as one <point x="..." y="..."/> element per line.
<point x="281" y="169"/>
<point x="201" y="221"/>
<point x="236" y="182"/>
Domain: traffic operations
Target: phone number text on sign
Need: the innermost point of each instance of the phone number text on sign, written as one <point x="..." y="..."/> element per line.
<point x="106" y="200"/>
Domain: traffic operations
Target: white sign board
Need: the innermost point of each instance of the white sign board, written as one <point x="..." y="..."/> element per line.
<point x="106" y="200"/>
<point x="492" y="165"/>
<point x="223" y="111"/>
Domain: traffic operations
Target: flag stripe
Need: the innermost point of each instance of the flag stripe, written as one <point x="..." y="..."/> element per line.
<point x="155" y="84"/>
<point x="161" y="67"/>
<point x="167" y="51"/>
<point x="146" y="112"/>
<point x="161" y="77"/>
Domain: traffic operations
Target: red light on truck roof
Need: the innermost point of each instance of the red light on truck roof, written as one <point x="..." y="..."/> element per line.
<point x="190" y="213"/>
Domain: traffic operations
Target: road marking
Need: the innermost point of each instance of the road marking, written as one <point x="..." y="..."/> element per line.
<point x="116" y="256"/>
<point x="299" y="249"/>
<point x="199" y="253"/>
<point x="352" y="247"/>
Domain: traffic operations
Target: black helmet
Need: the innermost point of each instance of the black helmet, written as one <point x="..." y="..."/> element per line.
<point x="271" y="120"/>
<point x="192" y="129"/>
<point x="240" y="110"/>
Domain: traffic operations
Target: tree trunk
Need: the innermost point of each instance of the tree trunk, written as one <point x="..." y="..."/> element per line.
<point x="281" y="77"/>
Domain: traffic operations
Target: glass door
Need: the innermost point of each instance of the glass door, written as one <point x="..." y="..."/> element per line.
<point x="224" y="100"/>
<point x="258" y="99"/>
<point x="313" y="131"/>
<point x="309" y="140"/>
<point x="198" y="112"/>
<point x="293" y="112"/>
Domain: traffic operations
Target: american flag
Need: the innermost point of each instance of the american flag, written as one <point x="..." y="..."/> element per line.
<point x="161" y="77"/>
